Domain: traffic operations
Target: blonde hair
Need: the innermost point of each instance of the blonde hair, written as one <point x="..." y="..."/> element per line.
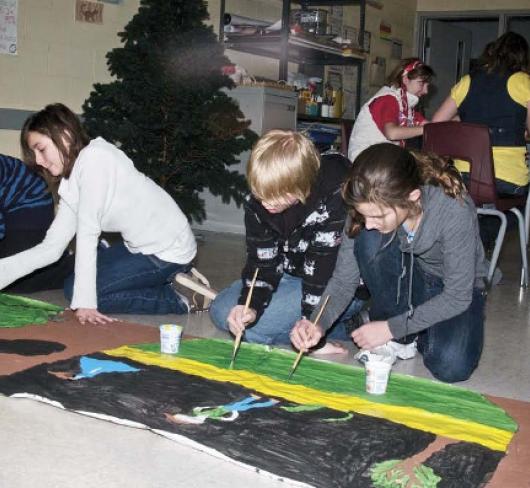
<point x="386" y="174"/>
<point x="282" y="162"/>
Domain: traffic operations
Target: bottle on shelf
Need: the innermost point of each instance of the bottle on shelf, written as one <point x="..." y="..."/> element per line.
<point x="336" y="111"/>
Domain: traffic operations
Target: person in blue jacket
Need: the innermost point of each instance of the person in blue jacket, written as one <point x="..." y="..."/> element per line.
<point x="26" y="212"/>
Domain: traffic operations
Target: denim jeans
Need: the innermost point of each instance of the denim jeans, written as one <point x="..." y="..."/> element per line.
<point x="134" y="283"/>
<point x="503" y="187"/>
<point x="279" y="317"/>
<point x="451" y="349"/>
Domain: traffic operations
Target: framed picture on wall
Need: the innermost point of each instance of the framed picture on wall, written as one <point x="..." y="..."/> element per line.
<point x="90" y="12"/>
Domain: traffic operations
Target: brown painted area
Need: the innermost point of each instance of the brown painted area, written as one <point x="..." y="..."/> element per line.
<point x="409" y="464"/>
<point x="78" y="339"/>
<point x="513" y="471"/>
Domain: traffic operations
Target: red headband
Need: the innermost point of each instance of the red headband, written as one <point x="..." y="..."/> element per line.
<point x="411" y="66"/>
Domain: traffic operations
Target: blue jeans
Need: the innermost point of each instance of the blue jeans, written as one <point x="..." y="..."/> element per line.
<point x="279" y="317"/>
<point x="503" y="187"/>
<point x="451" y="349"/>
<point x="134" y="283"/>
<point x="506" y="188"/>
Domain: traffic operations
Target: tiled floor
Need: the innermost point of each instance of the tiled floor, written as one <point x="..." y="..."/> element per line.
<point x="46" y="447"/>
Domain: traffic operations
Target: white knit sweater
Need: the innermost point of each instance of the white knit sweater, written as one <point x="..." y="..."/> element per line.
<point x="105" y="193"/>
<point x="365" y="132"/>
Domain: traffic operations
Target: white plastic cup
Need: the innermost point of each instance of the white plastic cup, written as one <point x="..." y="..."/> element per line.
<point x="170" y="338"/>
<point x="377" y="373"/>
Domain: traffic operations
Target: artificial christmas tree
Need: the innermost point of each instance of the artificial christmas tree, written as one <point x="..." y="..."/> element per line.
<point x="166" y="109"/>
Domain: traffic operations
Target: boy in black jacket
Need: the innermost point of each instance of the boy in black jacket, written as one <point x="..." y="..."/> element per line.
<point x="294" y="220"/>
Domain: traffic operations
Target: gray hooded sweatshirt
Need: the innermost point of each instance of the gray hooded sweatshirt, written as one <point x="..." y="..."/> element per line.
<point x="446" y="244"/>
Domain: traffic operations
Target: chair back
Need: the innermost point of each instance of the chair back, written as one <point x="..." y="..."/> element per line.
<point x="470" y="142"/>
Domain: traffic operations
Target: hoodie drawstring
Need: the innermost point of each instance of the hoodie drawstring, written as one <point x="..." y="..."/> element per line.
<point x="409" y="301"/>
<point x="400" y="278"/>
<point x="410" y="312"/>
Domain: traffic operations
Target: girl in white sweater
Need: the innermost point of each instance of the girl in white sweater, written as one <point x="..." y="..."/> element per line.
<point x="100" y="191"/>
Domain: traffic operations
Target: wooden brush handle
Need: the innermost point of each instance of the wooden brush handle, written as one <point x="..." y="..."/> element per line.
<point x="250" y="290"/>
<point x="321" y="311"/>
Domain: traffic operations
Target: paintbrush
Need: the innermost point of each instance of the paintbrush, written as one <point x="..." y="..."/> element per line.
<point x="301" y="351"/>
<point x="239" y="336"/>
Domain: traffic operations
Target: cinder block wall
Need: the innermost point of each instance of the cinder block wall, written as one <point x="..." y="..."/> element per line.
<point x="58" y="58"/>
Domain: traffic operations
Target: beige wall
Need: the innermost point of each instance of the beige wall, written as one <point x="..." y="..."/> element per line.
<point x="463" y="5"/>
<point x="401" y="15"/>
<point x="58" y="59"/>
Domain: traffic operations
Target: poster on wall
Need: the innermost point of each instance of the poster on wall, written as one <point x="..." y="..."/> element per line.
<point x="90" y="12"/>
<point x="8" y="26"/>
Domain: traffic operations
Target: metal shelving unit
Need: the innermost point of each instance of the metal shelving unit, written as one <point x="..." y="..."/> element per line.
<point x="299" y="49"/>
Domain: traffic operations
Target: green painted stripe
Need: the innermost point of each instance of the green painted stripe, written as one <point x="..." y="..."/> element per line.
<point x="17" y="311"/>
<point x="403" y="390"/>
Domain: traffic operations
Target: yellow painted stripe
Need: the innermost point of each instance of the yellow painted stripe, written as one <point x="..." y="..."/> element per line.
<point x="413" y="417"/>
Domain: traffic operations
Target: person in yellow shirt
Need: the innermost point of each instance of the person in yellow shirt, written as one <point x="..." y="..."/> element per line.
<point x="497" y="94"/>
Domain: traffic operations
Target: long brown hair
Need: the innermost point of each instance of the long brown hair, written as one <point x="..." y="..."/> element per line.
<point x="413" y="68"/>
<point x="386" y="174"/>
<point x="63" y="127"/>
<point x="508" y="54"/>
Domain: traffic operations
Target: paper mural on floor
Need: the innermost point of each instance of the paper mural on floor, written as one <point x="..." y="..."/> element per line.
<point x="319" y="429"/>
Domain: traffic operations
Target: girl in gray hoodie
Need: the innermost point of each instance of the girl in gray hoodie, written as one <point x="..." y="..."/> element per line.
<point x="413" y="238"/>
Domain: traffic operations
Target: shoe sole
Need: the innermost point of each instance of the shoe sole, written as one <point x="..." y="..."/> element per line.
<point x="193" y="285"/>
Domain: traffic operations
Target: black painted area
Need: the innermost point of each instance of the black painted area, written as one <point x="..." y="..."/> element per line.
<point x="464" y="465"/>
<point x="299" y="446"/>
<point x="30" y="347"/>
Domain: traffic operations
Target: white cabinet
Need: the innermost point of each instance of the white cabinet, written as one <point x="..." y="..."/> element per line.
<point x="266" y="108"/>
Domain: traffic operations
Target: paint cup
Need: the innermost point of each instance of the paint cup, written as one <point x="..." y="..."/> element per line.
<point x="170" y="338"/>
<point x="377" y="373"/>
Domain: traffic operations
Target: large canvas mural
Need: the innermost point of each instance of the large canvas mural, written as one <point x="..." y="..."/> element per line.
<point x="317" y="429"/>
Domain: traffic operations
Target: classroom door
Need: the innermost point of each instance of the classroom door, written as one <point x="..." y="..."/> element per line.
<point x="447" y="49"/>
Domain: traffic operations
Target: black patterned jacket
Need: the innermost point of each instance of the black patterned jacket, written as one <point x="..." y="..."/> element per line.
<point x="302" y="241"/>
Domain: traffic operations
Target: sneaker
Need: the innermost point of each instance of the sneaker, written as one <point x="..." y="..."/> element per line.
<point x="194" y="290"/>
<point x="104" y="243"/>
<point x="382" y="353"/>
<point x="388" y="352"/>
<point x="403" y="351"/>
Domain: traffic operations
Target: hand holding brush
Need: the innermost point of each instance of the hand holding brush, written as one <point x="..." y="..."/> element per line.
<point x="247" y="316"/>
<point x="296" y="341"/>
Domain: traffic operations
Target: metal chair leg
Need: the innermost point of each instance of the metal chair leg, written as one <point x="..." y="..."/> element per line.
<point x="527" y="219"/>
<point x="522" y="242"/>
<point x="498" y="241"/>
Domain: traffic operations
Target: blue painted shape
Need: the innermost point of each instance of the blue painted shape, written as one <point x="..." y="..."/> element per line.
<point x="249" y="403"/>
<point x="91" y="367"/>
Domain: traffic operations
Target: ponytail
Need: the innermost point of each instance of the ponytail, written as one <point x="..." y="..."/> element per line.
<point x="440" y="171"/>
